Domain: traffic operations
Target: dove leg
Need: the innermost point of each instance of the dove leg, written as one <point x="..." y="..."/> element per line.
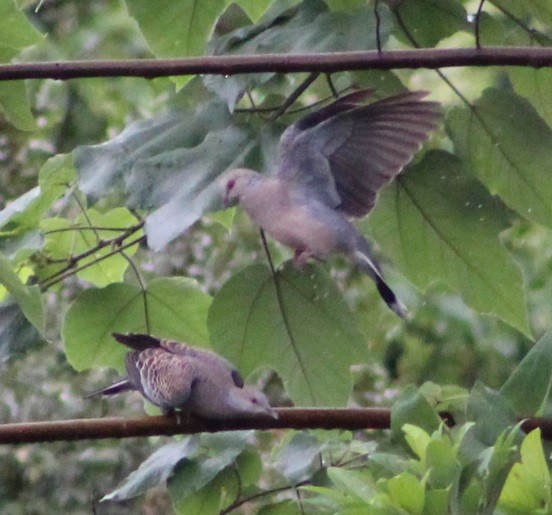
<point x="300" y="258"/>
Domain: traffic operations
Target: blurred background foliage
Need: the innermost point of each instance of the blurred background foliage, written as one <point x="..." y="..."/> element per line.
<point x="446" y="342"/>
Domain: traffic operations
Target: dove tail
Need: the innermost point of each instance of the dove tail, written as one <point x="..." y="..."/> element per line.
<point x="137" y="341"/>
<point x="364" y="259"/>
<point x="118" y="387"/>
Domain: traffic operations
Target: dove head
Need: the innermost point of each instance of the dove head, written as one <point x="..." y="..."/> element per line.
<point x="236" y="183"/>
<point x="248" y="401"/>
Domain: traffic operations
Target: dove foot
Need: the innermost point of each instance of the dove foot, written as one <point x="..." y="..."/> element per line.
<point x="300" y="258"/>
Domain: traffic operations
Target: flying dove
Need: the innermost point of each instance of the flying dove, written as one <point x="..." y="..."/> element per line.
<point x="176" y="376"/>
<point x="331" y="165"/>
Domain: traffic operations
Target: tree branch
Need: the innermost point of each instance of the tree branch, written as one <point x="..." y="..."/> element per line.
<point x="353" y="419"/>
<point x="283" y="63"/>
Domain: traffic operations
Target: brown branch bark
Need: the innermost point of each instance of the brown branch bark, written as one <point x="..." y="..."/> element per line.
<point x="289" y="418"/>
<point x="283" y="63"/>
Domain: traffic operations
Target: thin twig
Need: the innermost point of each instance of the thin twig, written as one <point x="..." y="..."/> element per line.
<point x="378" y="26"/>
<point x="73" y="260"/>
<point x="477" y="23"/>
<point x="294" y="95"/>
<point x="58" y="278"/>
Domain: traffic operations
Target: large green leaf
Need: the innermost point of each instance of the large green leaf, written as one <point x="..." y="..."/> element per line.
<point x="170" y="164"/>
<point x="440" y="225"/>
<point x="430" y="21"/>
<point x="502" y="140"/>
<point x="312" y="347"/>
<point x="175" y="28"/>
<point x="28" y="297"/>
<point x="170" y="307"/>
<point x="529" y="387"/>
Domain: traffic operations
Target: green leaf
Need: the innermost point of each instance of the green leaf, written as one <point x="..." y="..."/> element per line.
<point x="193" y="475"/>
<point x="353" y="482"/>
<point x="430" y="21"/>
<point x="491" y="413"/>
<point x="17" y="334"/>
<point x="175" y="28"/>
<point x="170" y="163"/>
<point x="540" y="9"/>
<point x="66" y="239"/>
<point x="411" y="407"/>
<point x="298" y="459"/>
<point x="528" y="389"/>
<point x="26" y="211"/>
<point x="29" y="298"/>
<point x="16" y="33"/>
<point x="528" y="486"/>
<point x="532" y="84"/>
<point x="408" y="492"/>
<point x="417" y="439"/>
<point x="169" y="307"/>
<point x="441" y="225"/>
<point x="505" y="143"/>
<point x="312" y="347"/>
<point x="15" y="105"/>
<point x="306" y="27"/>
<point x="156" y="469"/>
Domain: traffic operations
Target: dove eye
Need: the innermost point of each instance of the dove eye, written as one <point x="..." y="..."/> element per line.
<point x="230" y="185"/>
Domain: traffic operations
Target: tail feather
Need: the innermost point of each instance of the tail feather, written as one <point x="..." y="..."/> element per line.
<point x="123" y="385"/>
<point x="137" y="341"/>
<point x="363" y="257"/>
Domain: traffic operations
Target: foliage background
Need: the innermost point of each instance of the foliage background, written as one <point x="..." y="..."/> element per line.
<point x="502" y="267"/>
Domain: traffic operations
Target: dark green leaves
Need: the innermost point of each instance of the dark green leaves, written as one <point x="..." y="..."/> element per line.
<point x="438" y="224"/>
<point x="312" y="346"/>
<point x="170" y="163"/>
<point x="508" y="147"/>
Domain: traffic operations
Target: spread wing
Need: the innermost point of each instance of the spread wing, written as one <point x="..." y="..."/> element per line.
<point x="345" y="153"/>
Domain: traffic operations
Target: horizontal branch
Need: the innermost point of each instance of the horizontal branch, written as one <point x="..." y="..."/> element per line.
<point x="288" y="418"/>
<point x="283" y="63"/>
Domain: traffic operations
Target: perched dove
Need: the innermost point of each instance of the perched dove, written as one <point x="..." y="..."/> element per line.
<point x="173" y="375"/>
<point x="331" y="166"/>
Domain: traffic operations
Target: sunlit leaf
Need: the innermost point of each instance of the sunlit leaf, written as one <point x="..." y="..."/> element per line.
<point x="66" y="239"/>
<point x="528" y="486"/>
<point x="29" y="298"/>
<point x="311" y="348"/>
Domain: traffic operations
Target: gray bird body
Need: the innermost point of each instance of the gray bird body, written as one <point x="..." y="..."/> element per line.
<point x="175" y="376"/>
<point x="331" y="166"/>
